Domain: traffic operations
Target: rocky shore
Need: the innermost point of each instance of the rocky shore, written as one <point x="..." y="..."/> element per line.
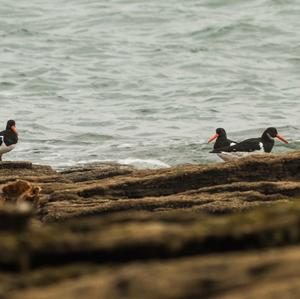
<point x="226" y="230"/>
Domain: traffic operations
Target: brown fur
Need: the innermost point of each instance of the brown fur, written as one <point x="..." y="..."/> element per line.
<point x="20" y="191"/>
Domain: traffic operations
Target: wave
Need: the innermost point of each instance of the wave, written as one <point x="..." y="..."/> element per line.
<point x="144" y="163"/>
<point x="137" y="163"/>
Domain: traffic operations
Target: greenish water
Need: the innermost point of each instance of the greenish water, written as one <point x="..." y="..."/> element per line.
<point x="146" y="82"/>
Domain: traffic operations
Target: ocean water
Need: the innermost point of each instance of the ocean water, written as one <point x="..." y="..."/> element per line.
<point x="146" y="82"/>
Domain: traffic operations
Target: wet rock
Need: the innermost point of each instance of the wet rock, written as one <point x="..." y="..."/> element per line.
<point x="14" y="222"/>
<point x="96" y="171"/>
<point x="15" y="165"/>
<point x="216" y="189"/>
<point x="193" y="231"/>
<point x="269" y="274"/>
<point x="15" y="217"/>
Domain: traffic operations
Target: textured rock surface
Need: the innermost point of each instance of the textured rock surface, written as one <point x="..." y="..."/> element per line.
<point x="269" y="274"/>
<point x="195" y="231"/>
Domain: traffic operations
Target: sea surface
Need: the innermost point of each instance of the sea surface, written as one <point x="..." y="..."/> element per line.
<point x="146" y="82"/>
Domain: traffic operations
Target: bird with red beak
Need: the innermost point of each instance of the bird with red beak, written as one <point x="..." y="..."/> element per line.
<point x="8" y="138"/>
<point x="263" y="144"/>
<point x="221" y="139"/>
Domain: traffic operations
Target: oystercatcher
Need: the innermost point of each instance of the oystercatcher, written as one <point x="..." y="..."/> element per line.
<point x="264" y="143"/>
<point x="8" y="138"/>
<point x="222" y="140"/>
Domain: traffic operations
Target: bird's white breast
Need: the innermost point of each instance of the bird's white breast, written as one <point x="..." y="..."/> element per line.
<point x="230" y="156"/>
<point x="5" y="149"/>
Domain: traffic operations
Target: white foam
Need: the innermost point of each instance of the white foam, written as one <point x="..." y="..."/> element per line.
<point x="144" y="163"/>
<point x="137" y="163"/>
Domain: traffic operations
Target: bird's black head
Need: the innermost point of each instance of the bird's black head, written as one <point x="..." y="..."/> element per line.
<point x="221" y="132"/>
<point x="272" y="132"/>
<point x="11" y="125"/>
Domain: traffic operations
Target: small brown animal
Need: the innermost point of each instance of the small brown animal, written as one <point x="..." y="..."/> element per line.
<point x="20" y="191"/>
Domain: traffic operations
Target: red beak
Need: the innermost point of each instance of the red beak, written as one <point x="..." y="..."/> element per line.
<point x="14" y="129"/>
<point x="213" y="138"/>
<point x="281" y="138"/>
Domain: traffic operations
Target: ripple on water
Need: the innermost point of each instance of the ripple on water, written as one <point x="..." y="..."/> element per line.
<point x="146" y="81"/>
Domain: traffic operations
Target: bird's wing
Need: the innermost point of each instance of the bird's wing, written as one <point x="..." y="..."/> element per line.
<point x="249" y="145"/>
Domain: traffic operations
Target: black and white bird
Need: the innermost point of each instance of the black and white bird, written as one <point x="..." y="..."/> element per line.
<point x="262" y="144"/>
<point x="8" y="138"/>
<point x="221" y="141"/>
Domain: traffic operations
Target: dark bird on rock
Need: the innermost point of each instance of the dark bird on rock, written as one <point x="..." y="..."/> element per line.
<point x="8" y="138"/>
<point x="221" y="140"/>
<point x="263" y="144"/>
